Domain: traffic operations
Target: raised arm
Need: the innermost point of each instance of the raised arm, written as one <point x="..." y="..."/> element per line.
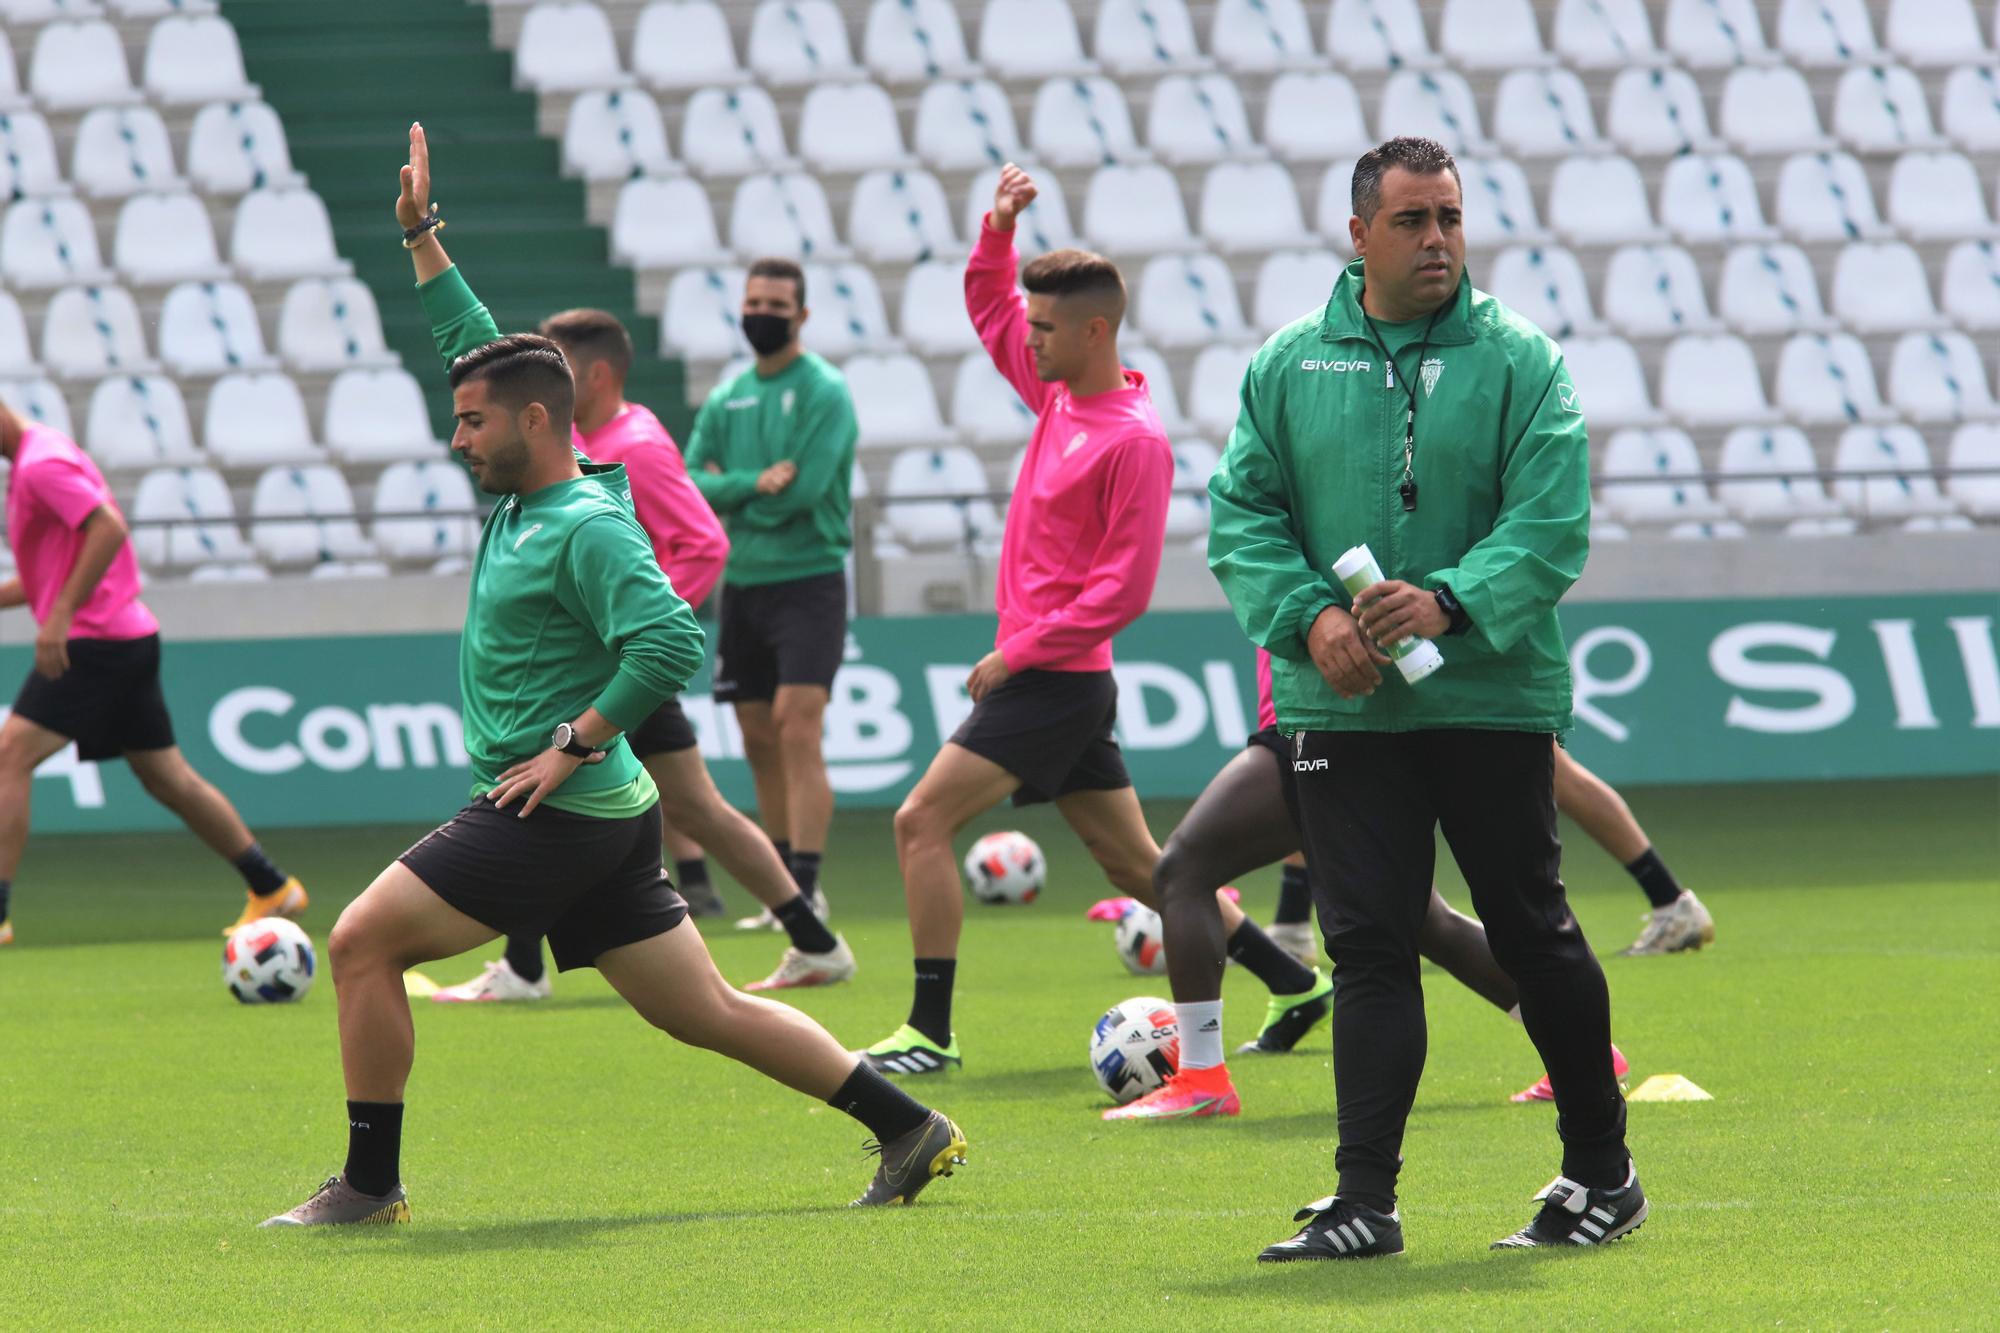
<point x="992" y="297"/>
<point x="459" y="322"/>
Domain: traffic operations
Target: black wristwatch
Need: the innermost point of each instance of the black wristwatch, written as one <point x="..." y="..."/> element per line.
<point x="1455" y="613"/>
<point x="564" y="739"/>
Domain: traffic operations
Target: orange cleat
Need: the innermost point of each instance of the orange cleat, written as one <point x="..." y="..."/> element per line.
<point x="1542" y="1091"/>
<point x="1189" y="1093"/>
<point x="287" y="900"/>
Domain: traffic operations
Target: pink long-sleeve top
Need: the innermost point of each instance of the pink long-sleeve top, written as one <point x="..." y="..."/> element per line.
<point x="1267" y="709"/>
<point x="1088" y="516"/>
<point x="687" y="537"/>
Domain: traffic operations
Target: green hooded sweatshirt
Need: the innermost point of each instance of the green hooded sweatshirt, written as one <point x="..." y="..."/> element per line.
<point x="1503" y="513"/>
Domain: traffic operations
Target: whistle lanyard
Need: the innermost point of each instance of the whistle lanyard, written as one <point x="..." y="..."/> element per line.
<point x="1408" y="487"/>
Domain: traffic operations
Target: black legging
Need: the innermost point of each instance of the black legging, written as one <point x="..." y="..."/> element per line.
<point x="1241" y="823"/>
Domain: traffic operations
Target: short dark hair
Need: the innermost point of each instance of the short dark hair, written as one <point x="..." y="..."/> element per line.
<point x="522" y="368"/>
<point x="1063" y="273"/>
<point x="773" y="267"/>
<point x="1419" y="157"/>
<point x="591" y="335"/>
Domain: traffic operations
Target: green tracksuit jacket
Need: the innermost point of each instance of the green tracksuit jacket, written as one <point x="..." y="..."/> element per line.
<point x="1503" y="517"/>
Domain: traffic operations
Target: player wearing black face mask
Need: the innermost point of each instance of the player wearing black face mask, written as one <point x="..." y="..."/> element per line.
<point x="767" y="334"/>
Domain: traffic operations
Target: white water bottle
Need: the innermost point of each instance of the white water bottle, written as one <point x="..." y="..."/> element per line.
<point x="1415" y="658"/>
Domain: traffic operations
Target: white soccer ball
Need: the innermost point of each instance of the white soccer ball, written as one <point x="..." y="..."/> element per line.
<point x="1005" y="868"/>
<point x="268" y="962"/>
<point x="1135" y="1047"/>
<point x="1142" y="942"/>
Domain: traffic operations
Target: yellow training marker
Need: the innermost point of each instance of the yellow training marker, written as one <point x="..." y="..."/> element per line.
<point x="1668" y="1088"/>
<point x="420" y="987"/>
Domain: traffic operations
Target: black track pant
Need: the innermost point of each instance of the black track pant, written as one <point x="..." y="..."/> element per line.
<point x="1370" y="802"/>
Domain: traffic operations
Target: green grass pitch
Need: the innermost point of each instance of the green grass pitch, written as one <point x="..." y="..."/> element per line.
<point x="569" y="1167"/>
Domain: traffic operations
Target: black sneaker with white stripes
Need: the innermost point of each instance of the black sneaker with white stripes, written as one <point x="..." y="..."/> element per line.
<point x="1574" y="1214"/>
<point x="1337" y="1228"/>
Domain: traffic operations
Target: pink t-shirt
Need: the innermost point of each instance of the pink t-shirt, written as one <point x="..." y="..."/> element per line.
<point x="1267" y="707"/>
<point x="688" y="539"/>
<point x="53" y="487"/>
<point x="1088" y="515"/>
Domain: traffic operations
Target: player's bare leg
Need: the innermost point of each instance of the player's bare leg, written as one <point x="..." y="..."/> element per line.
<point x="1677" y="920"/>
<point x="800" y="714"/>
<point x="767" y="767"/>
<point x="24" y="746"/>
<point x="171" y="780"/>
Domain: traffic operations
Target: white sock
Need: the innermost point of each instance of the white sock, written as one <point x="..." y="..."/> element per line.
<point x="1515" y="1014"/>
<point x="1201" y="1034"/>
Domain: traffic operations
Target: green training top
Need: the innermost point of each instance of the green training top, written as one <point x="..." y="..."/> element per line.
<point x="568" y="610"/>
<point x="804" y="414"/>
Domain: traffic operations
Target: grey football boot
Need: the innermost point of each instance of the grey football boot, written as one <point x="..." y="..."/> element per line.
<point x="911" y="1161"/>
<point x="338" y="1203"/>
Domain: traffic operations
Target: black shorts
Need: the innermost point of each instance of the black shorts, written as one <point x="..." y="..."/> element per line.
<point x="1280" y="745"/>
<point x="666" y="730"/>
<point x="108" y="702"/>
<point x="773" y="634"/>
<point x="588" y="884"/>
<point x="1052" y="730"/>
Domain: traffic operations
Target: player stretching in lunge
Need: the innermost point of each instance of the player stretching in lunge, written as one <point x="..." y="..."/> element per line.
<point x="96" y="678"/>
<point x="1077" y="564"/>
<point x="689" y="545"/>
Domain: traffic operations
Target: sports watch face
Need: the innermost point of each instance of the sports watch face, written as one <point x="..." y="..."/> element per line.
<point x="564" y="734"/>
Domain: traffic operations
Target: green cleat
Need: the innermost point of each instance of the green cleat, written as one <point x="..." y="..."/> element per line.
<point x="1291" y="1017"/>
<point x="908" y="1051"/>
<point x="913" y="1161"/>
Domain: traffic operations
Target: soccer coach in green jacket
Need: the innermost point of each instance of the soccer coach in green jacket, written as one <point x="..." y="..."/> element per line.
<point x="1427" y="420"/>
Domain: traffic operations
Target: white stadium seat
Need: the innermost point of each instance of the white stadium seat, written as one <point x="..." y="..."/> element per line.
<point x="1604" y="34"/>
<point x="1658" y="112"/>
<point x="566" y="46"/>
<point x="1187" y="507"/>
<point x="1198" y="119"/>
<point x="329" y="324"/>
<point x="1314" y="117"/>
<point x="120" y="150"/>
<point x="165" y="238"/>
<point x="375" y="416"/>
<point x="1706" y="530"/>
<point x="1936" y="197"/>
<point x="1290" y="284"/>
<point x="91" y="331"/>
<point x="79" y="65"/>
<point x="1771" y="110"/>
<point x="1499" y="207"/>
<point x="1934" y="32"/>
<point x="208" y="534"/>
<point x="1976" y="446"/>
<point x="1655" y="291"/>
<point x="284" y="233"/>
<point x="1044" y="227"/>
<point x="1905" y="490"/>
<point x="425" y="511"/>
<point x="1939" y="377"/>
<point x="900" y="217"/>
<point x="847" y="311"/>
<point x="850" y="127"/>
<point x="932" y="319"/>
<point x="1135" y="210"/>
<point x="702" y="319"/>
<point x="1250" y="206"/>
<point x="1491" y="34"/>
<point x="1715" y="34"/>
<point x="1775" y="476"/>
<point x="208" y="328"/>
<point x="1436" y="104"/>
<point x="1631" y="457"/>
<point x="1159" y="387"/>
<point x="17" y="353"/>
<point x="1711" y="198"/>
<point x="1971" y="111"/>
<point x="917" y="519"/>
<point x="1544" y="113"/>
<point x="25" y="12"/>
<point x="1261" y="36"/>
<point x="11" y="96"/>
<point x="1334" y="208"/>
<point x="154" y="9"/>
<point x="49" y="242"/>
<point x="359" y="569"/>
<point x="1082" y="122"/>
<point x="1818" y="33"/>
<point x="782" y="213"/>
<point x="1545" y="286"/>
<point x="1610" y="385"/>
<point x="1825" y="197"/>
<point x="1882" y="109"/>
<point x="1188" y="301"/>
<point x="984" y="407"/>
<point x="914" y="41"/>
<point x="1713" y="381"/>
<point x="28" y="163"/>
<point x="963" y="125"/>
<point x="1145" y="37"/>
<point x="1215" y="389"/>
<point x="254" y="420"/>
<point x="39" y="400"/>
<point x="1972" y="285"/>
<point x="894" y="401"/>
<point x="138" y="421"/>
<point x="236" y="147"/>
<point x="304" y="515"/>
<point x="194" y="58"/>
<point x="1827" y="379"/>
<point x="1030" y="39"/>
<point x="1377" y="35"/>
<point x="682" y="44"/>
<point x="614" y="133"/>
<point x="799" y="41"/>
<point x="1600" y="201"/>
<point x="1770" y="289"/>
<point x="1882" y="288"/>
<point x="733" y="132"/>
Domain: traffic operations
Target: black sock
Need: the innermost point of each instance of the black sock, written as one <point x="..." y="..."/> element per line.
<point x="805" y="872"/>
<point x="1295" y="897"/>
<point x="258" y="871"/>
<point x="809" y="933"/>
<point x="930" y="1006"/>
<point x="524" y="955"/>
<point x="1284" y="974"/>
<point x="886" y="1109"/>
<point x="784" y="846"/>
<point x="374" y="1146"/>
<point x="1659" y="883"/>
<point x="6" y="893"/>
<point x="691" y="873"/>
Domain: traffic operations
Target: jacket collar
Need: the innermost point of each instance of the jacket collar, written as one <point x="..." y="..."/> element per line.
<point x="1343" y="317"/>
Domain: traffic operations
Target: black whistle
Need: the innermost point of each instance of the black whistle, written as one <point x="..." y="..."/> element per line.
<point x="1408" y="490"/>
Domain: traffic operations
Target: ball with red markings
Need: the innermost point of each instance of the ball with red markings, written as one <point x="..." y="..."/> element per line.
<point x="268" y="962"/>
<point x="1005" y="868"/>
<point x="1135" y="1047"/>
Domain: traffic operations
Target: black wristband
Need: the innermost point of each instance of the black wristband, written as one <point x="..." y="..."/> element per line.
<point x="430" y="222"/>
<point x="1454" y="612"/>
